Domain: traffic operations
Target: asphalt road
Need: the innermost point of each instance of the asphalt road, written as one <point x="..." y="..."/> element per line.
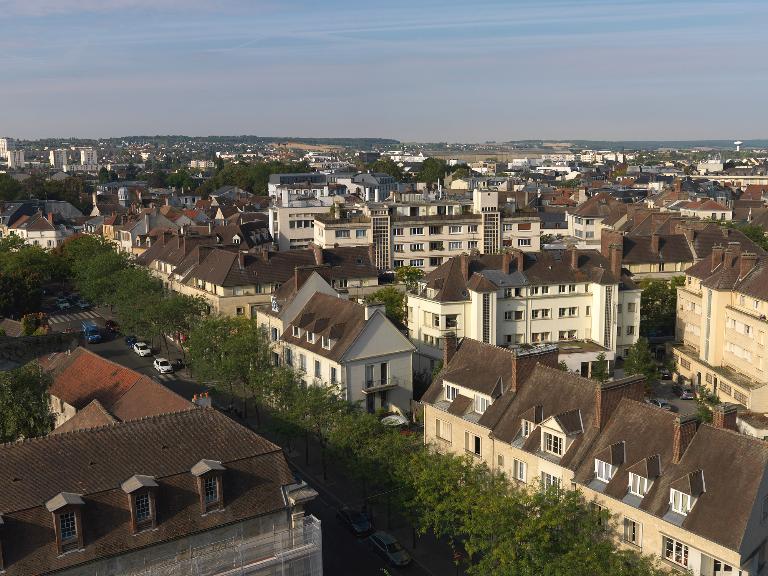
<point x="115" y="349"/>
<point x="343" y="553"/>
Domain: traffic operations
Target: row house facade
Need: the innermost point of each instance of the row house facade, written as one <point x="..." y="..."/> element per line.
<point x="574" y="297"/>
<point x="721" y="326"/>
<point x="425" y="234"/>
<point x="660" y="475"/>
<point x="338" y="342"/>
<point x="235" y="281"/>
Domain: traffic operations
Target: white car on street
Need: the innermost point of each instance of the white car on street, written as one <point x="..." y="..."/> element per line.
<point x="163" y="366"/>
<point x="142" y="349"/>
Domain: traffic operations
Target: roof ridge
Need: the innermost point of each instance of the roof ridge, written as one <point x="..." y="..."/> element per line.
<point x="134" y="421"/>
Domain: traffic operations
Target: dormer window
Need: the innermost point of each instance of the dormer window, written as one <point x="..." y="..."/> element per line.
<point x="680" y="502"/>
<point x="552" y="443"/>
<point x="451" y="392"/>
<point x="526" y="428"/>
<point x="326" y="342"/>
<point x="481" y="404"/>
<point x="209" y="475"/>
<point x="638" y="485"/>
<point x="310" y="337"/>
<point x="604" y="471"/>
<point x="141" y="491"/>
<point x="67" y="521"/>
<point x="296" y="331"/>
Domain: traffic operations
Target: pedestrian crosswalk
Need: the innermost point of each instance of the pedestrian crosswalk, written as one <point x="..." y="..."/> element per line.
<point x="72" y="317"/>
<point x="164" y="377"/>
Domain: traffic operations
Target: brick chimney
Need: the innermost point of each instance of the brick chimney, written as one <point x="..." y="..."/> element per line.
<point x="684" y="431"/>
<point x="617" y="252"/>
<point x="372" y="253"/>
<point x="609" y="394"/>
<point x="724" y="416"/>
<point x="520" y="260"/>
<point x="747" y="261"/>
<point x="734" y="247"/>
<point x="318" y="253"/>
<point x="506" y="260"/>
<point x="608" y="237"/>
<point x="717" y="256"/>
<point x="450" y="345"/>
<point x="523" y="363"/>
<point x="655" y="242"/>
<point x="241" y="260"/>
<point x="464" y="262"/>
<point x="574" y="257"/>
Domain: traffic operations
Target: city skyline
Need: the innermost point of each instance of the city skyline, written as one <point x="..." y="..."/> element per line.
<point x="427" y="72"/>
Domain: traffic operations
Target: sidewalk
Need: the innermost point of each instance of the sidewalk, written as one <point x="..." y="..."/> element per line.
<point x="433" y="556"/>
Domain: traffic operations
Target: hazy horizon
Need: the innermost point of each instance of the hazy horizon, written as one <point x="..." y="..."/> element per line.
<point x="415" y="72"/>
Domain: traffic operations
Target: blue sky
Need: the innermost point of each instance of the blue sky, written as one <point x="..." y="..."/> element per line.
<point x="419" y="70"/>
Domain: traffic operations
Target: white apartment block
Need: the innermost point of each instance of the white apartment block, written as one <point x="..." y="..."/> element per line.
<point x="337" y="342"/>
<point x="292" y="223"/>
<point x="575" y="298"/>
<point x="15" y="159"/>
<point x="6" y="144"/>
<point x="58" y="158"/>
<point x="202" y="164"/>
<point x="426" y="234"/>
<point x="722" y="329"/>
<point x="89" y="156"/>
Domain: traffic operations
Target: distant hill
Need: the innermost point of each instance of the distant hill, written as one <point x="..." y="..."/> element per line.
<point x="640" y="144"/>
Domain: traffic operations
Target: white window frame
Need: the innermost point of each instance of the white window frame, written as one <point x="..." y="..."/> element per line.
<point x="638" y="485"/>
<point x="680" y="502"/>
<point x="474" y="440"/>
<point x="633" y="532"/>
<point x="296" y="331"/>
<point x="310" y="337"/>
<point x="548" y="480"/>
<point x="520" y="470"/>
<point x="481" y="403"/>
<point x="526" y="428"/>
<point x="443" y="430"/>
<point x="604" y="471"/>
<point x="675" y="551"/>
<point x="552" y="443"/>
<point x="451" y="392"/>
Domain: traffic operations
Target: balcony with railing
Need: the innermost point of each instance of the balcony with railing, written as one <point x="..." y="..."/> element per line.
<point x="295" y="551"/>
<point x="372" y="386"/>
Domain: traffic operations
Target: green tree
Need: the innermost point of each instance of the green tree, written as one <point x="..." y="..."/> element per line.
<point x="562" y="366"/>
<point x="432" y="170"/>
<point x="103" y="175"/>
<point x="410" y="276"/>
<point x="461" y="172"/>
<point x="97" y="277"/>
<point x="388" y="166"/>
<point x="393" y="300"/>
<point x="10" y="189"/>
<point x="639" y="360"/>
<point x="658" y="306"/>
<point x="24" y="403"/>
<point x="233" y="354"/>
<point x="600" y="368"/>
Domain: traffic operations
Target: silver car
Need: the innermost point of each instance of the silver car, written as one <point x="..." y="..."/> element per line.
<point x="387" y="546"/>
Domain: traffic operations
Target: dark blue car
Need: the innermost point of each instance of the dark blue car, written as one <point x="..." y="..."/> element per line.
<point x="130" y="341"/>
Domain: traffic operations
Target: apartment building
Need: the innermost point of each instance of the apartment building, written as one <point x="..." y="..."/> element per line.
<point x="721" y="326"/>
<point x="586" y="221"/>
<point x="6" y="144"/>
<point x="58" y="158"/>
<point x="425" y="234"/>
<point x="89" y="157"/>
<point x="292" y="223"/>
<point x="370" y="186"/>
<point x="14" y="159"/>
<point x="660" y="475"/>
<point x="576" y="298"/>
<point x="234" y="281"/>
<point x="40" y="229"/>
<point x="338" y="342"/>
<point x="185" y="493"/>
<point x="300" y="178"/>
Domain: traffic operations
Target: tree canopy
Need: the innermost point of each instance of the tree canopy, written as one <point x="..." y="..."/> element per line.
<point x="658" y="306"/>
<point x="24" y="403"/>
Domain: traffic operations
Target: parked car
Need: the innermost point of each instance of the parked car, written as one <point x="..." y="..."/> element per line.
<point x="113" y="327"/>
<point x="356" y="521"/>
<point x="686" y="394"/>
<point x="82" y="304"/>
<point x="142" y="349"/>
<point x="663" y="404"/>
<point x="62" y="304"/>
<point x="387" y="546"/>
<point x="130" y="341"/>
<point x="177" y="364"/>
<point x="665" y="374"/>
<point x="91" y="332"/>
<point x="163" y="366"/>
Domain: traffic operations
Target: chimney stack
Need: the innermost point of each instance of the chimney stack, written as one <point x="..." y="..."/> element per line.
<point x="50" y="217"/>
<point x="506" y="260"/>
<point x="684" y="431"/>
<point x="574" y="257"/>
<point x="450" y="345"/>
<point x="241" y="259"/>
<point x="616" y="255"/>
<point x="609" y="394"/>
<point x="372" y="253"/>
<point x="520" y="260"/>
<point x="318" y="253"/>
<point x="655" y="242"/>
<point x="747" y="261"/>
<point x="724" y="416"/>
<point x="464" y="261"/>
<point x="523" y="363"/>
<point x="717" y="256"/>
